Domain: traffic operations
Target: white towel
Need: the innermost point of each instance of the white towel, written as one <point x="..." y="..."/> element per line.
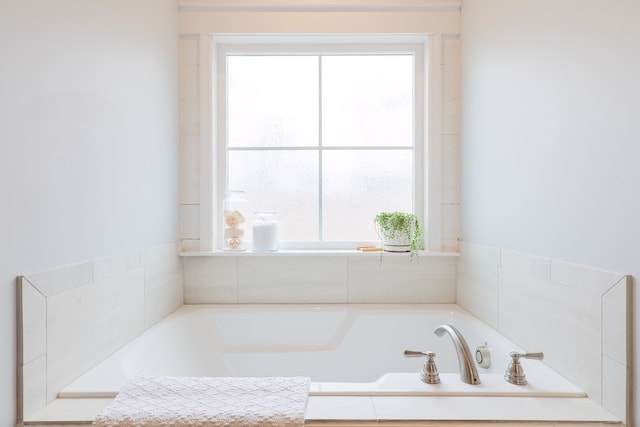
<point x="208" y="402"/>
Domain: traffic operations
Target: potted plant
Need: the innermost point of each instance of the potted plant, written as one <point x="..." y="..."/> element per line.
<point x="399" y="232"/>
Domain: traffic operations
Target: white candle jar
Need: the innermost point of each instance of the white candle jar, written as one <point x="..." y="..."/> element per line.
<point x="234" y="208"/>
<point x="265" y="232"/>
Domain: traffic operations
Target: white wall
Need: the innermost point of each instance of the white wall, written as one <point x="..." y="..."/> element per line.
<point x="88" y="140"/>
<point x="550" y="152"/>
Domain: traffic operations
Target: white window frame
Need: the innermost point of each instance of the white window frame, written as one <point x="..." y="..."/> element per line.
<point x="427" y="154"/>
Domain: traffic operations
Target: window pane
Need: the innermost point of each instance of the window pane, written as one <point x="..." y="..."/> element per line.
<point x="359" y="184"/>
<point x="367" y="100"/>
<point x="281" y="181"/>
<point x="276" y="134"/>
<point x="272" y="101"/>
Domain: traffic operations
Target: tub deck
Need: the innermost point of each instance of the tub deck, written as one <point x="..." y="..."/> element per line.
<point x="394" y="396"/>
<point x="370" y="411"/>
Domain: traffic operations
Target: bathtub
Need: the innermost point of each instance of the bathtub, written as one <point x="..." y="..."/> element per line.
<point x="345" y="349"/>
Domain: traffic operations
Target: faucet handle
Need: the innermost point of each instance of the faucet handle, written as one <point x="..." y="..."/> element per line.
<point x="412" y="353"/>
<point x="429" y="373"/>
<point x="536" y="356"/>
<point x="515" y="373"/>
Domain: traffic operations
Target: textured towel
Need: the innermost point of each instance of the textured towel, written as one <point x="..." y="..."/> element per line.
<point x="208" y="401"/>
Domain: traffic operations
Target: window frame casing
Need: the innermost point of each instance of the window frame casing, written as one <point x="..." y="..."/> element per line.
<point x="427" y="154"/>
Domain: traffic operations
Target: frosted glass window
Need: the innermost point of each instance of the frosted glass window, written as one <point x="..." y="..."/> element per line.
<point x="325" y="140"/>
<point x="285" y="181"/>
<point x="272" y="101"/>
<point x="359" y="184"/>
<point x="367" y="100"/>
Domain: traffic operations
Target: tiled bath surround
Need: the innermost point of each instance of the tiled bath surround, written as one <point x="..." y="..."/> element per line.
<point x="75" y="316"/>
<point x="578" y="316"/>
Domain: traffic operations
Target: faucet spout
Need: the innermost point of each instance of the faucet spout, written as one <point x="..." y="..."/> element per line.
<point x="468" y="371"/>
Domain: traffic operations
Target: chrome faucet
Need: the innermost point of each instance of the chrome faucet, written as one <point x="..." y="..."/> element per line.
<point x="468" y="371"/>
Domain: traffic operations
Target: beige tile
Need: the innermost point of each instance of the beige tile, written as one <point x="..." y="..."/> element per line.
<point x="614" y="387"/>
<point x="451" y="76"/>
<point x="615" y="321"/>
<point x="450" y="221"/>
<point x="190" y="245"/>
<point x="33" y="311"/>
<point x="163" y="290"/>
<point x="555" y="307"/>
<point x="528" y="265"/>
<point x="111" y="266"/>
<point x="210" y="280"/>
<point x="480" y="254"/>
<point x="584" y="278"/>
<point x="34" y="383"/>
<point x="162" y="253"/>
<point x="478" y="409"/>
<point x="339" y="408"/>
<point x="397" y="279"/>
<point x="451" y="116"/>
<point x="189" y="49"/>
<point x="292" y="279"/>
<point x="190" y="187"/>
<point x="477" y="290"/>
<point x="55" y="281"/>
<point x="562" y="322"/>
<point x="451" y="169"/>
<point x="70" y="411"/>
<point x="86" y="324"/>
<point x="451" y="51"/>
<point x="449" y="245"/>
<point x="424" y="408"/>
<point x="190" y="152"/>
<point x="190" y="221"/>
<point x="189" y="86"/>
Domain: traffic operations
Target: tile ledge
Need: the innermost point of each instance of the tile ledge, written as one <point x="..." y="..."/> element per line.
<point x="314" y="252"/>
<point x="578" y="412"/>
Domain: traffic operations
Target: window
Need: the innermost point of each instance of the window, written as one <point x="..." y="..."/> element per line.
<point x="325" y="135"/>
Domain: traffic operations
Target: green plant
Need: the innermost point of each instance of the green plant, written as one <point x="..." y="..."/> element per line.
<point x="400" y="225"/>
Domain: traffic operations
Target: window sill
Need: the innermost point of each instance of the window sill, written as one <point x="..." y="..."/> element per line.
<point x="315" y="252"/>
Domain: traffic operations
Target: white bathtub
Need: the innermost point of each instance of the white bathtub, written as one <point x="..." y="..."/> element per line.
<point x="345" y="349"/>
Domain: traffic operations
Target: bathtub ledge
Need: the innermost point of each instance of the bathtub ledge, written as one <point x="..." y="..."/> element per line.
<point x="364" y="411"/>
<point x="409" y="384"/>
<point x="316" y="253"/>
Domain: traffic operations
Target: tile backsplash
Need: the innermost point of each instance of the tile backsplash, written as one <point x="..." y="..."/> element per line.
<point x="577" y="315"/>
<point x="74" y="316"/>
<point x="282" y="278"/>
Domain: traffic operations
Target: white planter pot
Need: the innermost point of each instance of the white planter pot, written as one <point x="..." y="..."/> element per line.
<point x="396" y="243"/>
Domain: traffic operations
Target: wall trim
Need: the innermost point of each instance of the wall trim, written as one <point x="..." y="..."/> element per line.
<point x="432" y="163"/>
<point x="309" y="6"/>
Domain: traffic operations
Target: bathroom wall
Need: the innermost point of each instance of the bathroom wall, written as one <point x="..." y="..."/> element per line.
<point x="89" y="125"/>
<point x="551" y="92"/>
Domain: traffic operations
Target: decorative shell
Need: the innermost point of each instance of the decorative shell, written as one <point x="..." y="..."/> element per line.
<point x="233" y="218"/>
